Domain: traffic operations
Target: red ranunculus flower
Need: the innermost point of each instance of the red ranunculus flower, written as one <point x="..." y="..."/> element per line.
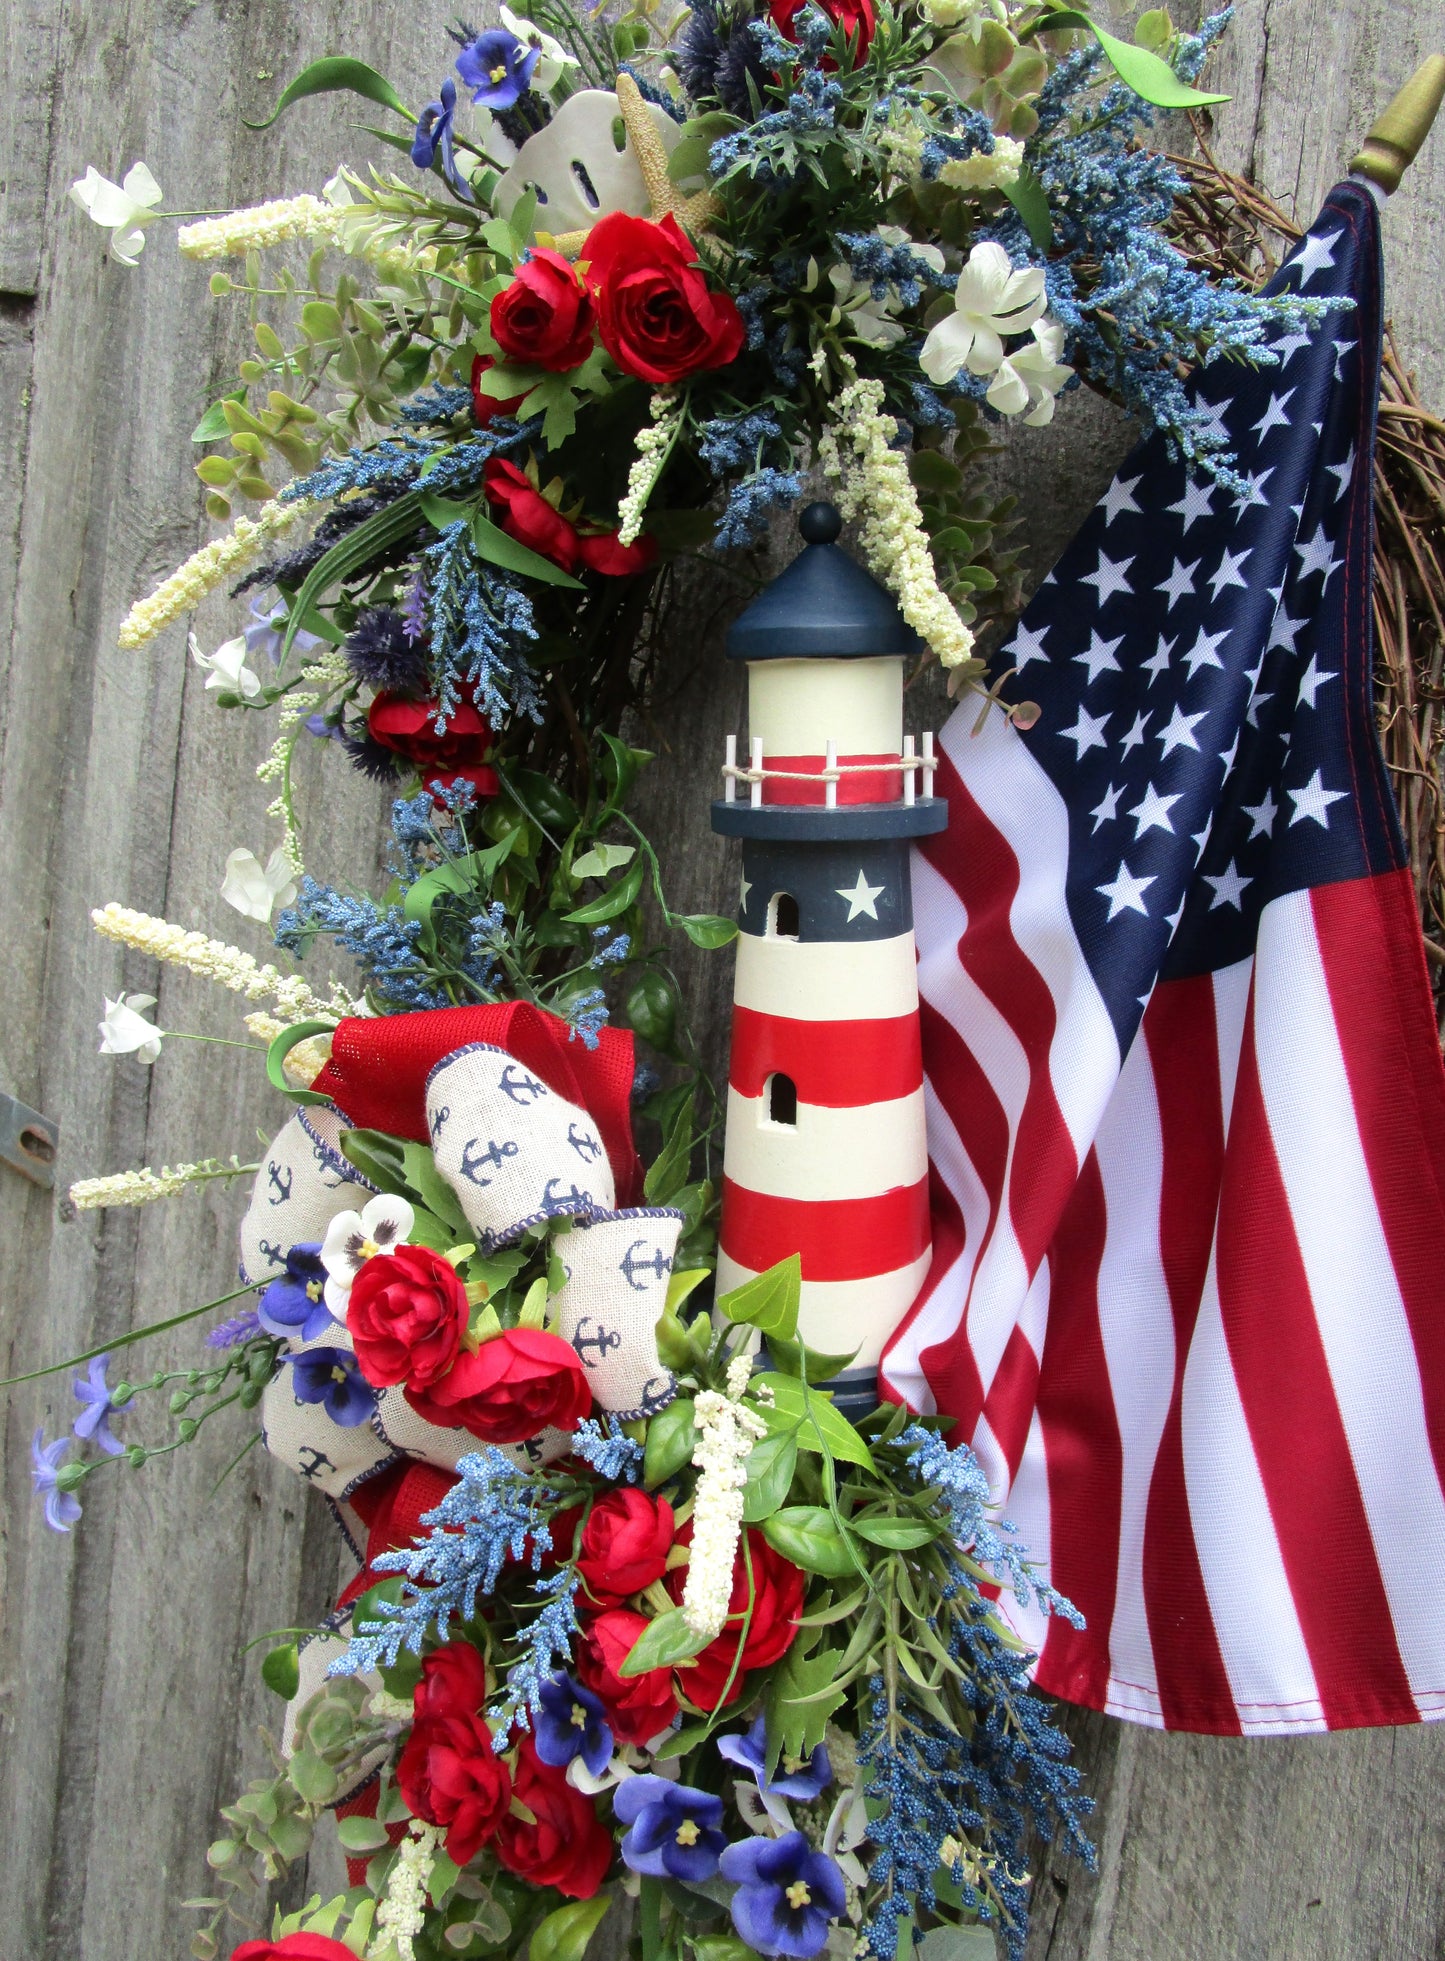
<point x="544" y="318"/>
<point x="407" y="1317"/>
<point x="778" y="1589"/>
<point x="602" y="553"/>
<point x="527" y="516"/>
<point x="408" y="729"/>
<point x="625" y="1544"/>
<point x="638" y="1706"/>
<point x="448" y="1772"/>
<point x="569" y="1847"/>
<point x="513" y="1386"/>
<point x="295" y="1947"/>
<point x="658" y="317"/>
<point x="485" y="406"/>
<point x="855" y="17"/>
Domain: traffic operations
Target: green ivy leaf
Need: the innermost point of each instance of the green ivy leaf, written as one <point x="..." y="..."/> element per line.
<point x="1149" y="77"/>
<point x="662" y="1644"/>
<point x="564" y="1934"/>
<point x="770" y="1467"/>
<point x="281" y="1671"/>
<point x="651" y="1008"/>
<point x="617" y="898"/>
<point x="708" y="930"/>
<point x="807" y="1535"/>
<point x="895" y="1534"/>
<point x="602" y="859"/>
<point x="769" y="1301"/>
<point x="788" y="1355"/>
<point x="667" y="1174"/>
<point x="813" y="1413"/>
<point x="337" y="73"/>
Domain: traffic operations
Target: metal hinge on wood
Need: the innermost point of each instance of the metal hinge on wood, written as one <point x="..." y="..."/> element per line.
<point x="28" y="1141"/>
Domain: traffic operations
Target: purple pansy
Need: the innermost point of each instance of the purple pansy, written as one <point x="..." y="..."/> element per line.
<point x="497" y="68"/>
<point x="571" y="1722"/>
<point x="787" y="1894"/>
<point x="750" y="1751"/>
<point x="62" y="1508"/>
<point x="294" y="1305"/>
<point x="330" y="1376"/>
<point x="92" y="1392"/>
<point x="435" y="130"/>
<point x="674" y="1831"/>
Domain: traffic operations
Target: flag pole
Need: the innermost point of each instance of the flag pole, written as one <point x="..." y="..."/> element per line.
<point x="1396" y="138"/>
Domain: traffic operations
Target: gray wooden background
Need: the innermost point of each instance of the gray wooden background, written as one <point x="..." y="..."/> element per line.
<point x="127" y="1714"/>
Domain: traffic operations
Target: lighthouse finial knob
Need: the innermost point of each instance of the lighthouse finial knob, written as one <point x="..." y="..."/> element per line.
<point x="820" y="524"/>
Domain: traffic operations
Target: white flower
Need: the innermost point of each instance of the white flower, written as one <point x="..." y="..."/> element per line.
<point x="353" y="1238"/>
<point x="256" y="890"/>
<point x="125" y="1030"/>
<point x="1032" y="377"/>
<point x="124" y="209"/>
<point x="227" y="667"/>
<point x="726" y="1433"/>
<point x="993" y="171"/>
<point x="555" y="57"/>
<point x="969" y="15"/>
<point x="870" y="319"/>
<point x="991" y="301"/>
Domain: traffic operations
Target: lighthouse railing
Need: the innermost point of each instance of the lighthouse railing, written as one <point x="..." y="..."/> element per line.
<point x="755" y="773"/>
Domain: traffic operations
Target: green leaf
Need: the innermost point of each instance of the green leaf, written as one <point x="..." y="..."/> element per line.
<point x="689" y="159"/>
<point x="667" y="1173"/>
<point x="376" y="1156"/>
<point x="708" y="929"/>
<point x="768" y="1301"/>
<point x="651" y="1008"/>
<point x="895" y="1534"/>
<point x="313" y="1777"/>
<point x="422" y="1175"/>
<point x="564" y="1934"/>
<point x="334" y="73"/>
<point x="948" y="1943"/>
<point x="807" y="1535"/>
<point x="788" y="1355"/>
<point x="603" y="858"/>
<point x="361" y="1834"/>
<point x="671" y="1439"/>
<point x="281" y="1671"/>
<point x="620" y="766"/>
<point x="720" y="1947"/>
<point x="1145" y="73"/>
<point x="497" y="548"/>
<point x="277" y="1053"/>
<point x="813" y="1412"/>
<point x="795" y="1722"/>
<point x="770" y="1467"/>
<point x="383" y="528"/>
<point x="1027" y="196"/>
<point x="534" y="1307"/>
<point x="213" y="426"/>
<point x="662" y="1644"/>
<point x="442" y="1878"/>
<point x="442" y="511"/>
<point x="617" y="898"/>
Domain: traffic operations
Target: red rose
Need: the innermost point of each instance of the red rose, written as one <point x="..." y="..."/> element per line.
<point x="485" y="406"/>
<point x="295" y="1947"/>
<point x="513" y="1386"/>
<point x="448" y="1772"/>
<point x="527" y="516"/>
<point x="638" y="1706"/>
<point x="778" y="1589"/>
<point x="625" y="1544"/>
<point x="544" y="318"/>
<point x="568" y="1847"/>
<point x="855" y="17"/>
<point x="601" y="552"/>
<point x="407" y="1317"/>
<point x="408" y="728"/>
<point x="656" y="313"/>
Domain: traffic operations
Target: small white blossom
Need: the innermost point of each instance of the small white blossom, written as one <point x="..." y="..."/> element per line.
<point x="994" y="171"/>
<point x="226" y="668"/>
<point x="256" y="890"/>
<point x="204" y="570"/>
<point x="991" y="302"/>
<point x="726" y="1433"/>
<point x="968" y="16"/>
<point x="259" y="226"/>
<point x="124" y="209"/>
<point x="653" y="445"/>
<point x="353" y="1238"/>
<point x="401" y="1915"/>
<point x="125" y="1030"/>
<point x="145" y="1186"/>
<point x="214" y="960"/>
<point x="1032" y="377"/>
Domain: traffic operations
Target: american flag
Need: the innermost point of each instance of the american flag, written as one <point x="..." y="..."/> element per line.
<point x="1185" y="1099"/>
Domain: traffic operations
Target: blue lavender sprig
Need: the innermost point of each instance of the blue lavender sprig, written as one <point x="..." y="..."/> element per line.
<point x="613" y="1455"/>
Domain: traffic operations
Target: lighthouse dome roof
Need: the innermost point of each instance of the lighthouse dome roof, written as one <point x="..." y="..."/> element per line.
<point x="824" y="604"/>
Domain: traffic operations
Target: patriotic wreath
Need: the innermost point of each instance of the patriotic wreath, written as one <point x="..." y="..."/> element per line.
<point x="640" y="1611"/>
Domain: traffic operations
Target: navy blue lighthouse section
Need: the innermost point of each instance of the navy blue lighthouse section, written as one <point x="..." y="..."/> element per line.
<point x="841" y="891"/>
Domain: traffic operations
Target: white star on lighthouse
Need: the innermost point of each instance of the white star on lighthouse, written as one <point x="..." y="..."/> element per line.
<point x="861" y="899"/>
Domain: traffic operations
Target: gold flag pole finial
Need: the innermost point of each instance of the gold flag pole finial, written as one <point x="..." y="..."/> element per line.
<point x="1395" y="141"/>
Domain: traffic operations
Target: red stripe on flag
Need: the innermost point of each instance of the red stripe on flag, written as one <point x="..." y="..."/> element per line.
<point x="1009" y="1409"/>
<point x="1180" y="1029"/>
<point x="956" y="1384"/>
<point x="882" y="785"/>
<point x="1082" y="1450"/>
<point x="838" y="1238"/>
<point x="826" y="1059"/>
<point x="1299" y="1439"/>
<point x="1369" y="940"/>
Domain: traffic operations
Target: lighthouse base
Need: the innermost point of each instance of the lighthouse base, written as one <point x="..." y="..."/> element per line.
<point x="846" y="1317"/>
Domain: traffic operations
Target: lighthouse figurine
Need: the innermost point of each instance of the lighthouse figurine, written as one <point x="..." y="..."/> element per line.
<point x="826" y="1154"/>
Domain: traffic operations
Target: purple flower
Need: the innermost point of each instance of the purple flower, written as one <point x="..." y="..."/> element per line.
<point x="674" y="1831"/>
<point x="93" y="1394"/>
<point x="571" y="1722"/>
<point x="497" y="68"/>
<point x="62" y="1507"/>
<point x="294" y="1305"/>
<point x="231" y="1333"/>
<point x="434" y="131"/>
<point x="751" y="1752"/>
<point x="787" y="1893"/>
<point x="330" y="1376"/>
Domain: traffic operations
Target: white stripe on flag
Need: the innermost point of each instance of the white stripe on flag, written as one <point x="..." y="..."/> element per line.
<point x="1231" y="1006"/>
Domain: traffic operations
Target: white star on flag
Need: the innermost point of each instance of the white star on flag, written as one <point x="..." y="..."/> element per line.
<point x="1158" y="662"/>
<point x="1134" y="736"/>
<point x="1152" y="812"/>
<point x="1256" y="702"/>
<point x="1344" y="471"/>
<point x="1180" y="732"/>
<point x="1087" y="732"/>
<point x="1180" y="583"/>
<point x="1118" y="498"/>
<point x="1205" y="651"/>
<point x="1107" y="808"/>
<point x="1026" y="645"/>
<point x="1313" y="679"/>
<point x="1108" y="577"/>
<point x="1227" y="572"/>
<point x="1228" y="886"/>
<point x="862" y="898"/>
<point x="1261" y="816"/>
<point x="1274" y="416"/>
<point x="1290" y="345"/>
<point x="1253" y="492"/>
<point x="1098" y="656"/>
<point x="1342" y="348"/>
<point x="1317" y="555"/>
<point x="1315" y="255"/>
<point x="1314" y="801"/>
<point x="1125" y="893"/>
<point x="1196" y="501"/>
<point x="1284" y="631"/>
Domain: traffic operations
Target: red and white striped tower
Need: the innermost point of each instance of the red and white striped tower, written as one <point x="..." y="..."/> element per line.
<point x="826" y="1153"/>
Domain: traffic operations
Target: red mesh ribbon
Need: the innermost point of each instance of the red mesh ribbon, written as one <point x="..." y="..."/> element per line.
<point x="378" y="1070"/>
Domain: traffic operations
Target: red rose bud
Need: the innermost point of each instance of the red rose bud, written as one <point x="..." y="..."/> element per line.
<point x="601" y="552"/>
<point x="485" y="406"/>
<point x="295" y="1947"/>
<point x="637" y="1706"/>
<point x="568" y="1847"/>
<point x="544" y="318"/>
<point x="408" y="728"/>
<point x="448" y="1772"/>
<point x="656" y="314"/>
<point x="625" y="1544"/>
<point x="407" y="1317"/>
<point x="519" y="1382"/>
<point x="855" y="17"/>
<point x="527" y="516"/>
<point x="778" y="1589"/>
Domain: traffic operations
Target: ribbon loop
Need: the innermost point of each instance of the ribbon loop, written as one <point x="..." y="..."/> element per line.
<point x="299" y="1190"/>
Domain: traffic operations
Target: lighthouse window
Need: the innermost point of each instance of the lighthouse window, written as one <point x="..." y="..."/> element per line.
<point x="782" y="917"/>
<point x="782" y="1095"/>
